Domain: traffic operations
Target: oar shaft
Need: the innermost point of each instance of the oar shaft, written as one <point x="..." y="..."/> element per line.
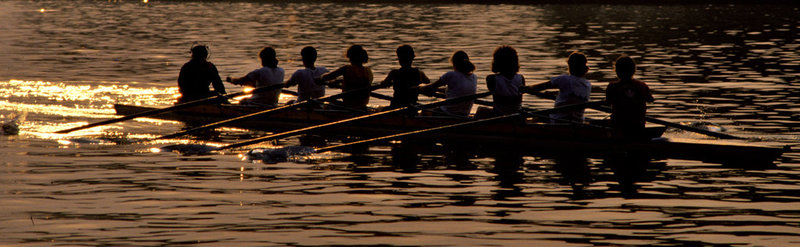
<point x="264" y="112"/>
<point x="474" y="122"/>
<point x="676" y="125"/>
<point x="652" y="120"/>
<point x="417" y="132"/>
<point x="171" y="108"/>
<point x="372" y="94"/>
<point x="306" y="129"/>
<point x="340" y="122"/>
<point x="381" y="96"/>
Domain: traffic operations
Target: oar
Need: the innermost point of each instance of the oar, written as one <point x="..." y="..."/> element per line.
<point x="676" y="125"/>
<point x="271" y="110"/>
<point x="649" y="119"/>
<point x="171" y="108"/>
<point x="340" y="122"/>
<point x="604" y="108"/>
<point x="462" y="124"/>
<point x="372" y="94"/>
<point x="289" y="92"/>
<point x="442" y="96"/>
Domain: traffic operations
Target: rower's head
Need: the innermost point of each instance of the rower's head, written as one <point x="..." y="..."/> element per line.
<point x="505" y="60"/>
<point x="625" y="67"/>
<point x="357" y="55"/>
<point x="577" y="64"/>
<point x="309" y="55"/>
<point x="461" y="63"/>
<point x="405" y="55"/>
<point x="199" y="52"/>
<point x="268" y="57"/>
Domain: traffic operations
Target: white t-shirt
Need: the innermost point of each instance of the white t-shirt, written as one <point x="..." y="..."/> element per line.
<point x="306" y="87"/>
<point x="459" y="84"/>
<point x="507" y="98"/>
<point x="263" y="77"/>
<point x="505" y="87"/>
<point x="571" y="90"/>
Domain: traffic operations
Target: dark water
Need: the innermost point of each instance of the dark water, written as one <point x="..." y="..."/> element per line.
<point x="65" y="63"/>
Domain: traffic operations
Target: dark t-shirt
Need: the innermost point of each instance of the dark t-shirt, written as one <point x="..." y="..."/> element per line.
<point x="405" y="83"/>
<point x="628" y="100"/>
<point x="194" y="78"/>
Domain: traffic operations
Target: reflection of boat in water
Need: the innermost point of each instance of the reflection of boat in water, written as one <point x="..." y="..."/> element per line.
<point x="533" y="137"/>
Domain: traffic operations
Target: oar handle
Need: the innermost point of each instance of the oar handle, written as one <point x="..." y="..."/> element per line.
<point x="171" y="108"/>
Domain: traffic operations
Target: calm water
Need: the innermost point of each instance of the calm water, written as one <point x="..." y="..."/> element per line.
<point x="65" y="63"/>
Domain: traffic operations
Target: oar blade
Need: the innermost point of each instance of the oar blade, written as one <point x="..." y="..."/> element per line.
<point x="187" y="149"/>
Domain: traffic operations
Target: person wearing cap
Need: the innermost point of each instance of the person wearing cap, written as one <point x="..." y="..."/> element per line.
<point x="196" y="76"/>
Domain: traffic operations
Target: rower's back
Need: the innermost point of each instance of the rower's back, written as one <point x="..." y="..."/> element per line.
<point x="505" y="84"/>
<point x="572" y="88"/>
<point x="628" y="98"/>
<point x="196" y="76"/>
<point x="305" y="78"/>
<point x="268" y="75"/>
<point x="406" y="80"/>
<point x="354" y="76"/>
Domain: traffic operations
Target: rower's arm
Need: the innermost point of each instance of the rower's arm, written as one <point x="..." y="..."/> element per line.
<point x="369" y="75"/>
<point x="216" y="81"/>
<point x="490" y="82"/>
<point x="389" y="80"/>
<point x="244" y="81"/>
<point x="536" y="87"/>
<point x="292" y="81"/>
<point x="424" y="78"/>
<point x="331" y="75"/>
<point x="430" y="88"/>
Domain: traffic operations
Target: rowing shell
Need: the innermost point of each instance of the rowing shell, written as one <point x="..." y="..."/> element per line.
<point x="535" y="138"/>
<point x="386" y="125"/>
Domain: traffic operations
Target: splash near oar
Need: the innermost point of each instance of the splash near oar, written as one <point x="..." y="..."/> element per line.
<point x="208" y="100"/>
<point x="11" y="127"/>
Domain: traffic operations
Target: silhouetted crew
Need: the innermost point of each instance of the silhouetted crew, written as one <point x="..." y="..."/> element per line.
<point x="196" y="75"/>
<point x="406" y="80"/>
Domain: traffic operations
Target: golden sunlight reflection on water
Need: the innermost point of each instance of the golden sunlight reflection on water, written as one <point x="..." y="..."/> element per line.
<point x="63" y="101"/>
